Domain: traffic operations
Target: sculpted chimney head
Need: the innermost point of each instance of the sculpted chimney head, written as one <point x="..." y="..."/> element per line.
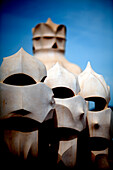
<point x="93" y="86"/>
<point x="49" y="37"/>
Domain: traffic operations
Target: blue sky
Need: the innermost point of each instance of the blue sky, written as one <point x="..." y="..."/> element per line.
<point x="89" y="30"/>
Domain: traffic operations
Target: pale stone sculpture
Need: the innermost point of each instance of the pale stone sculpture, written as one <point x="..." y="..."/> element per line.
<point x="94" y="88"/>
<point x="17" y="98"/>
<point x="58" y="77"/>
<point x="99" y="131"/>
<point x="71" y="115"/>
<point x="47" y="120"/>
<point x="99" y="124"/>
<point x="71" y="111"/>
<point x="93" y="85"/>
<point x="26" y="107"/>
<point x="49" y="45"/>
<point x="22" y="62"/>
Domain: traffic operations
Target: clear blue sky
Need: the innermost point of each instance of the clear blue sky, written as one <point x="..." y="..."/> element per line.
<point x="89" y="30"/>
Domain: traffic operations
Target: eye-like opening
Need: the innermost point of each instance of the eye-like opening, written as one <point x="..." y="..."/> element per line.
<point x="19" y="80"/>
<point x="98" y="143"/>
<point x="36" y="38"/>
<point x="62" y="92"/>
<point x="43" y="79"/>
<point x="48" y="37"/>
<point x="60" y="38"/>
<point x="55" y="45"/>
<point x="96" y="126"/>
<point x="96" y="103"/>
<point x="21" y="112"/>
<point x="65" y="133"/>
<point x="81" y="116"/>
<point x="33" y="48"/>
<point x="60" y="27"/>
<point x="22" y="124"/>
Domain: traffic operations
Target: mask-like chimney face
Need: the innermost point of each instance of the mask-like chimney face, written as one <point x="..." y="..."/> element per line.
<point x="97" y="93"/>
<point x="63" y="83"/>
<point x="49" y="45"/>
<point x="49" y="36"/>
<point x="99" y="128"/>
<point x="94" y="88"/>
<point x="21" y="87"/>
<point x="70" y="108"/>
<point x="36" y="99"/>
<point x="71" y="113"/>
<point x="26" y="104"/>
<point x="22" y="68"/>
